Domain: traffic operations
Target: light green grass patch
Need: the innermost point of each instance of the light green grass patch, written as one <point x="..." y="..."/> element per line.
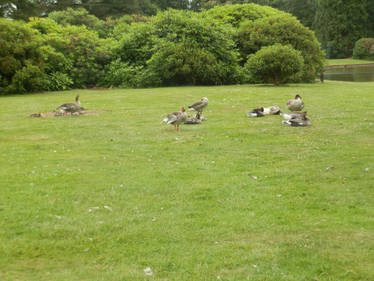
<point x="183" y="203"/>
<point x="347" y="61"/>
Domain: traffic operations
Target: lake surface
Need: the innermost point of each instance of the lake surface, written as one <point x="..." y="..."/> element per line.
<point x="351" y="73"/>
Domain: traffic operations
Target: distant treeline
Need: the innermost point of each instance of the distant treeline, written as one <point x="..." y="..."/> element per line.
<point x="338" y="24"/>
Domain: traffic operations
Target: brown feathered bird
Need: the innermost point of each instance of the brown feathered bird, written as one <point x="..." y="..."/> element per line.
<point x="70" y="107"/>
<point x="176" y="118"/>
<point x="199" y="106"/>
<point x="296" y="104"/>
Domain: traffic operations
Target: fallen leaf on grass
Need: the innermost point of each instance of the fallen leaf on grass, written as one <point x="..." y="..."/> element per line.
<point x="93" y="208"/>
<point x="252" y="176"/>
<point x="148" y="271"/>
<point x="108" y="208"/>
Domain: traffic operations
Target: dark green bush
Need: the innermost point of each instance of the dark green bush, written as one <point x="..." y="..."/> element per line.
<point x="286" y="30"/>
<point x="275" y="64"/>
<point x="364" y="49"/>
<point x="21" y="58"/>
<point x="29" y="78"/>
<point x="80" y="17"/>
<point x="180" y="48"/>
<point x="121" y="74"/>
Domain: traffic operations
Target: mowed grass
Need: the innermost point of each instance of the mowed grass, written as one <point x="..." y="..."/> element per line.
<point x="183" y="203"/>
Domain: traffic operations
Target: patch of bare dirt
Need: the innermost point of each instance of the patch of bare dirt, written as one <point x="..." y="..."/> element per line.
<point x="58" y="114"/>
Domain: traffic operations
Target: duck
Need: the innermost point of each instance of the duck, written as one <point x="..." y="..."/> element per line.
<point x="293" y="115"/>
<point x="176" y="118"/>
<point x="296" y="104"/>
<point x="262" y="111"/>
<point x="199" y="106"/>
<point x="70" y="107"/>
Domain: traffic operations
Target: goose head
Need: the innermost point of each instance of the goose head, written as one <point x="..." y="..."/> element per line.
<point x="77" y="100"/>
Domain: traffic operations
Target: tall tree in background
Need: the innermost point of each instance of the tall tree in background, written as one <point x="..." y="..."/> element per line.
<point x="304" y="10"/>
<point x="339" y="24"/>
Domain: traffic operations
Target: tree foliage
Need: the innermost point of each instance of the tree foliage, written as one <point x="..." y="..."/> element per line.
<point x="339" y="24"/>
<point x="276" y="64"/>
<point x="364" y="49"/>
<point x="74" y="48"/>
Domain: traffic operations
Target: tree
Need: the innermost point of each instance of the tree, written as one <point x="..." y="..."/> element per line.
<point x="339" y="24"/>
<point x="258" y="26"/>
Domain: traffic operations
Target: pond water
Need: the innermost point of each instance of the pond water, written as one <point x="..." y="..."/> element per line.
<point x="356" y="74"/>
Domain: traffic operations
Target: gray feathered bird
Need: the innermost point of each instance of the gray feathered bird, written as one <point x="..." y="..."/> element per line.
<point x="176" y="118"/>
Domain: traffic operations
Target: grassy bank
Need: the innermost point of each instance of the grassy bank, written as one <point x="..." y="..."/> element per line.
<point x="347" y="61"/>
<point x="102" y="197"/>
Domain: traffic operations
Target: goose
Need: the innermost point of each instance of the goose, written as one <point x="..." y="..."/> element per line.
<point x="293" y="115"/>
<point x="300" y="121"/>
<point x="296" y="104"/>
<point x="199" y="106"/>
<point x="176" y="118"/>
<point x="262" y="111"/>
<point x="71" y="107"/>
<point x="257" y="112"/>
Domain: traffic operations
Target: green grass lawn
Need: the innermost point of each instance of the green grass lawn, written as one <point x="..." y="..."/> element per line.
<point x="182" y="203"/>
<point x="346" y="61"/>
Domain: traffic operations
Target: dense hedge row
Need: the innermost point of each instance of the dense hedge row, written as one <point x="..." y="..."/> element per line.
<point x="72" y="49"/>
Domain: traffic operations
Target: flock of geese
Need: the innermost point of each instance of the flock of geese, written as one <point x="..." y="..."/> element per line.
<point x="295" y="117"/>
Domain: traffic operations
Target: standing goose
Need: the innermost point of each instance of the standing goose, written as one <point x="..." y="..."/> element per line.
<point x="199" y="106"/>
<point x="176" y="118"/>
<point x="296" y="104"/>
<point x="71" y="107"/>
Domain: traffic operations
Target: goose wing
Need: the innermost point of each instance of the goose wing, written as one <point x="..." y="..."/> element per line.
<point x="198" y="105"/>
<point x="172" y="117"/>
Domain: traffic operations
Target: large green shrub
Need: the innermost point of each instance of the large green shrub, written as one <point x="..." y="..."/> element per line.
<point x="236" y="14"/>
<point x="75" y="51"/>
<point x="81" y="17"/>
<point x="286" y="30"/>
<point x="275" y="64"/>
<point x="22" y="58"/>
<point x="364" y="49"/>
<point x="180" y="48"/>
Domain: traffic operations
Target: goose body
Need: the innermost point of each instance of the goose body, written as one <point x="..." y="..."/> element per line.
<point x="71" y="107"/>
<point x="296" y="119"/>
<point x="296" y="104"/>
<point x="262" y="111"/>
<point x="199" y="106"/>
<point x="176" y="118"/>
<point x="298" y="122"/>
<point x="293" y="115"/>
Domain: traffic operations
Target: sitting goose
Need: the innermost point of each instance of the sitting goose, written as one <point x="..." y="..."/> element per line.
<point x="176" y="118"/>
<point x="300" y="121"/>
<point x="70" y="107"/>
<point x="293" y="115"/>
<point x="262" y="111"/>
<point x="199" y="106"/>
<point x="296" y="104"/>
